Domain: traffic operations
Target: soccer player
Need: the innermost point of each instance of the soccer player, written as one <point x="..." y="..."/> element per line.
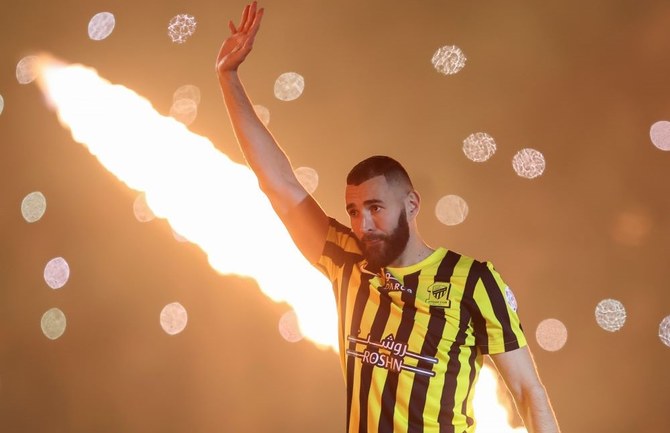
<point x="415" y="322"/>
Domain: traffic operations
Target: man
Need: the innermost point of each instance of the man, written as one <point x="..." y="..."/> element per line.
<point x="414" y="322"/>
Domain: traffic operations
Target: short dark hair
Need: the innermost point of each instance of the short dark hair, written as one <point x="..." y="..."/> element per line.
<point x="378" y="165"/>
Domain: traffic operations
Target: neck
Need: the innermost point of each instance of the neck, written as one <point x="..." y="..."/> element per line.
<point x="416" y="251"/>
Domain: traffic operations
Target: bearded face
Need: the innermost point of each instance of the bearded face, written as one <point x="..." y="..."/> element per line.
<point x="380" y="250"/>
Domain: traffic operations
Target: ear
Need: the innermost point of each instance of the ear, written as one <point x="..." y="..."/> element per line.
<point x="412" y="203"/>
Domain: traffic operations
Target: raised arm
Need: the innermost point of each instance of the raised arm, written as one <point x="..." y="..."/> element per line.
<point x="518" y="370"/>
<point x="303" y="217"/>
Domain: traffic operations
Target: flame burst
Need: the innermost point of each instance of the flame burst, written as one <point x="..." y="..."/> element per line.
<point x="209" y="199"/>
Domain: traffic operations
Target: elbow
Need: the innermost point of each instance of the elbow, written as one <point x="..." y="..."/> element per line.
<point x="529" y="396"/>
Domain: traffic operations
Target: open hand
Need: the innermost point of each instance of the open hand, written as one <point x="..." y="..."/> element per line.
<point x="238" y="45"/>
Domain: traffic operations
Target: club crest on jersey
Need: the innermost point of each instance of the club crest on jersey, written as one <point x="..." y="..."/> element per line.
<point x="438" y="295"/>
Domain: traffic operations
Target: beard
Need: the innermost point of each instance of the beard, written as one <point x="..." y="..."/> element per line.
<point x="388" y="247"/>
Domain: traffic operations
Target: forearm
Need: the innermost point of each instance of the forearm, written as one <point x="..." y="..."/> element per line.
<point x="536" y="411"/>
<point x="260" y="149"/>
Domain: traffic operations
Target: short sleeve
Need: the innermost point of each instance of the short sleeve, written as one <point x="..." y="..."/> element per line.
<point x="340" y="248"/>
<point x="497" y="325"/>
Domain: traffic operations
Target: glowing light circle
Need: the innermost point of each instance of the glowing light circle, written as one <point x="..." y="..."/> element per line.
<point x="451" y="210"/>
<point x="289" y="86"/>
<point x="479" y="147"/>
<point x="173" y="318"/>
<point x="289" y="327"/>
<point x="141" y="209"/>
<point x="181" y="27"/>
<point x="263" y="114"/>
<point x="551" y="335"/>
<point x="660" y="134"/>
<point x="448" y="60"/>
<point x="2" y="104"/>
<point x="187" y="91"/>
<point x="184" y="111"/>
<point x="101" y="26"/>
<point x="27" y="70"/>
<point x="529" y="163"/>
<point x="308" y="178"/>
<point x="53" y="323"/>
<point x="33" y="206"/>
<point x="610" y="315"/>
<point x="664" y="331"/>
<point x="56" y="273"/>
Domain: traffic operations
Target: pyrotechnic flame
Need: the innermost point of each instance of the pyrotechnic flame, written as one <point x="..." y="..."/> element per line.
<point x="491" y="416"/>
<point x="209" y="199"/>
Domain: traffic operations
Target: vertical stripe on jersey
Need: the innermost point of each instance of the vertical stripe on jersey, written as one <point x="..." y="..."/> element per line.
<point x="342" y="301"/>
<point x="472" y="360"/>
<point x="376" y="330"/>
<point x="448" y="398"/>
<point x="403" y="333"/>
<point x="478" y="320"/>
<point x="362" y="295"/>
<point x="436" y="325"/>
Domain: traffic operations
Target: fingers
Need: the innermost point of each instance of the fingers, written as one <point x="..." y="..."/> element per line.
<point x="245" y="18"/>
<point x="250" y="19"/>
<point x="256" y="24"/>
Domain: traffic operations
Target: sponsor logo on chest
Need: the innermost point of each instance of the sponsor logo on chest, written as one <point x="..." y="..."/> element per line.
<point x="391" y="284"/>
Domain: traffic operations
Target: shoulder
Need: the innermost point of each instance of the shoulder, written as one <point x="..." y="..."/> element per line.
<point x="340" y="241"/>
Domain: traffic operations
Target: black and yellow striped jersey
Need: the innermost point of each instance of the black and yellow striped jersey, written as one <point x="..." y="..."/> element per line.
<point x="412" y="339"/>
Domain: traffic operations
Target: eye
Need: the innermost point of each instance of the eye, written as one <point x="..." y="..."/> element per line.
<point x="375" y="208"/>
<point x="353" y="213"/>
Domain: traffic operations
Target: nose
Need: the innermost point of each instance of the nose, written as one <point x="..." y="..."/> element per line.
<point x="367" y="223"/>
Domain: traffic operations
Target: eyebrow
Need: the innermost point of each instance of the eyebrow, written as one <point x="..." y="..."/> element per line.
<point x="366" y="203"/>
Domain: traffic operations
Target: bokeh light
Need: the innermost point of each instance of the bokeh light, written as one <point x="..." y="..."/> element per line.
<point x="308" y="178"/>
<point x="664" y="331"/>
<point x="184" y="111"/>
<point x="33" y="206"/>
<point x="181" y="27"/>
<point x="448" y="60"/>
<point x="289" y="86"/>
<point x="173" y="318"/>
<point x="53" y="323"/>
<point x="2" y="104"/>
<point x="27" y="69"/>
<point x="187" y="91"/>
<point x="101" y="26"/>
<point x="660" y="134"/>
<point x="141" y="209"/>
<point x="185" y="102"/>
<point x="263" y="114"/>
<point x="451" y="210"/>
<point x="479" y="147"/>
<point x="56" y="273"/>
<point x="610" y="315"/>
<point x="528" y="163"/>
<point x="551" y="335"/>
<point x="289" y="327"/>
